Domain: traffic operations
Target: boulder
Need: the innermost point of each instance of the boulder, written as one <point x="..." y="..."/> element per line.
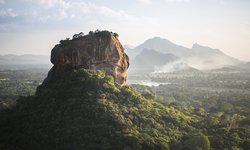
<point x="100" y="50"/>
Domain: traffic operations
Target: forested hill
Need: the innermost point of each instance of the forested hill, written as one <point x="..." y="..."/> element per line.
<point x="87" y="110"/>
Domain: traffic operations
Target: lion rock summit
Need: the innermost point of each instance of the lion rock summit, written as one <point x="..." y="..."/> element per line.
<point x="99" y="50"/>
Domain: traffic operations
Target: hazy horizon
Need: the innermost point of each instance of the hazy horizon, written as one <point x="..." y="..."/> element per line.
<point x="34" y="27"/>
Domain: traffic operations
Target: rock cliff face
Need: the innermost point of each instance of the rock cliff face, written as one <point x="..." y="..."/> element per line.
<point x="99" y="50"/>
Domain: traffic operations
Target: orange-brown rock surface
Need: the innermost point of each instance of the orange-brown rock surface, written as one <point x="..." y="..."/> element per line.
<point x="100" y="50"/>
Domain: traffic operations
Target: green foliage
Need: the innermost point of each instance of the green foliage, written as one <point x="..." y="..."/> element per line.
<point x="197" y="142"/>
<point x="92" y="34"/>
<point x="16" y="83"/>
<point x="218" y="103"/>
<point x="115" y="34"/>
<point x="79" y="35"/>
<point x="85" y="109"/>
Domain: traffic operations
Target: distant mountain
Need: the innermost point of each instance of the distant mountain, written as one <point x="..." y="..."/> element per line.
<point x="199" y="57"/>
<point x="244" y="67"/>
<point x="238" y="68"/>
<point x="148" y="60"/>
<point x="24" y="62"/>
<point x="247" y="65"/>
<point x="160" y="45"/>
<point x="128" y="47"/>
<point x="129" y="51"/>
<point x="206" y="58"/>
<point x="24" y="59"/>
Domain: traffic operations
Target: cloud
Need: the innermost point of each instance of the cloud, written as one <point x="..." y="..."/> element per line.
<point x="145" y="1"/>
<point x="2" y="1"/>
<point x="150" y="1"/>
<point x="177" y="0"/>
<point x="7" y="13"/>
<point x="61" y="9"/>
<point x="64" y="14"/>
<point x="54" y="3"/>
<point x="107" y="13"/>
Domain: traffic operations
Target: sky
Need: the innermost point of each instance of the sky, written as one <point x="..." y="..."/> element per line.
<point x="35" y="26"/>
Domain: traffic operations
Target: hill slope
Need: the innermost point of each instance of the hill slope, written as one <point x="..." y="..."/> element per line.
<point x="86" y="110"/>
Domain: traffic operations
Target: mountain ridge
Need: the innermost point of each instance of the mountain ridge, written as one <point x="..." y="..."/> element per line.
<point x="149" y="59"/>
<point x="159" y="44"/>
<point x="199" y="57"/>
<point x="24" y="59"/>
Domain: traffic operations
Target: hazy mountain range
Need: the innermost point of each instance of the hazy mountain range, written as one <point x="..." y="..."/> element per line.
<point x="26" y="61"/>
<point x="148" y="60"/>
<point x="162" y="50"/>
<point x="154" y="55"/>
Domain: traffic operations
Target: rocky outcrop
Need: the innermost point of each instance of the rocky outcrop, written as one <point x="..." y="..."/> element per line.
<point x="100" y="50"/>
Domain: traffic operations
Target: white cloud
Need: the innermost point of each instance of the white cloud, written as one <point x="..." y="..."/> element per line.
<point x="2" y="1"/>
<point x="52" y="3"/>
<point x="61" y="9"/>
<point x="64" y="15"/>
<point x="44" y="19"/>
<point x="7" y="13"/>
<point x="106" y="12"/>
<point x="150" y="1"/>
<point x="145" y="1"/>
<point x="177" y="0"/>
